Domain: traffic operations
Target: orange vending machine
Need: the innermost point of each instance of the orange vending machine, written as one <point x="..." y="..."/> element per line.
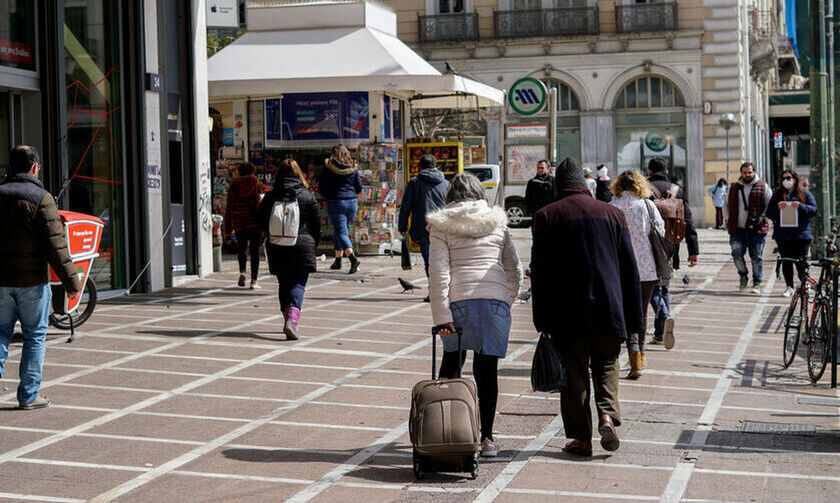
<point x="83" y="234"/>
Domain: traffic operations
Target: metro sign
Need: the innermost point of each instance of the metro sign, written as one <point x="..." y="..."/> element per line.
<point x="527" y="96"/>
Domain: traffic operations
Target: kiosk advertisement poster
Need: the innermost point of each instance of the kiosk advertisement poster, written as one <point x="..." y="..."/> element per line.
<point x="522" y="162"/>
<point x="325" y="116"/>
<point x="273" y="124"/>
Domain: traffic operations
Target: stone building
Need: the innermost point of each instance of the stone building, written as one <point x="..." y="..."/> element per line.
<point x="634" y="80"/>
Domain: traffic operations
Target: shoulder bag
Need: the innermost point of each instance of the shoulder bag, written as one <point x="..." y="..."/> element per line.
<point x="662" y="248"/>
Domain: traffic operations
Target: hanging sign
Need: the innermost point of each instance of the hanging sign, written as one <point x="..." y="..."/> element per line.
<point x="527" y="96"/>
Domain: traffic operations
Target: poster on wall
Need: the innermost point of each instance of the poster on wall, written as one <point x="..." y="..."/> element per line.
<point x="522" y="161"/>
<point x="273" y="124"/>
<point x="356" y="112"/>
<point x="325" y="116"/>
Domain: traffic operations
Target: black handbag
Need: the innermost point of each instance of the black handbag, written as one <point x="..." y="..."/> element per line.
<point x="662" y="248"/>
<point x="548" y="370"/>
<point x="405" y="255"/>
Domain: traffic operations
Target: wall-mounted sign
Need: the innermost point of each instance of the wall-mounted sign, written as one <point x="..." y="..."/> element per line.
<point x="154" y="82"/>
<point x="527" y="96"/>
<point x="656" y="141"/>
<point x="778" y="140"/>
<point x="16" y="52"/>
<point x="222" y="13"/>
<point x="515" y="131"/>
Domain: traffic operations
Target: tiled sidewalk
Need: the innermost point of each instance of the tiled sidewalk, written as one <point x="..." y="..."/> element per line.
<point x="194" y="395"/>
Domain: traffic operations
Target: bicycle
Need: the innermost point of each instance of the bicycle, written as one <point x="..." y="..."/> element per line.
<point x="794" y="321"/>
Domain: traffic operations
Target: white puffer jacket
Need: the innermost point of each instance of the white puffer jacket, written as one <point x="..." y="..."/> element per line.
<point x="471" y="256"/>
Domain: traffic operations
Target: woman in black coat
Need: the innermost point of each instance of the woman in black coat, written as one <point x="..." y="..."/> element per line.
<point x="292" y="264"/>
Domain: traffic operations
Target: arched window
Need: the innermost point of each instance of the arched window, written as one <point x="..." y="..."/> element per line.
<point x="649" y="92"/>
<point x="567" y="100"/>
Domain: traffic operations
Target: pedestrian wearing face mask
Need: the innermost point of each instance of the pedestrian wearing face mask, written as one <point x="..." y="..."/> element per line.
<point x="793" y="242"/>
<point x="747" y="225"/>
<point x="602" y="185"/>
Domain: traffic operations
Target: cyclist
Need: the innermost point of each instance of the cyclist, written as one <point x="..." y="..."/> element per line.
<point x="793" y="241"/>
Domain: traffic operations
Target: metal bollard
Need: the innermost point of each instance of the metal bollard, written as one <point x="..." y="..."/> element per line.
<point x="218" y="239"/>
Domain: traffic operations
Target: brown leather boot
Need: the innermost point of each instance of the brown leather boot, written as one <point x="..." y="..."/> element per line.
<point x="644" y="360"/>
<point x="635" y="365"/>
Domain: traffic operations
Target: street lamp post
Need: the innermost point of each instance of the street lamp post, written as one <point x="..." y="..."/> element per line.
<point x="726" y="122"/>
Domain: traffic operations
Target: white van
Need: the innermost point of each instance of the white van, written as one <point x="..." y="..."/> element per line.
<point x="489" y="176"/>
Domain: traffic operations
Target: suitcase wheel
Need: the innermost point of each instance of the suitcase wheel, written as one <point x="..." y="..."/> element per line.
<point x="418" y="466"/>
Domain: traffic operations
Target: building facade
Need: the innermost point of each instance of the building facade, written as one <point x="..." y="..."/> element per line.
<point x="634" y="80"/>
<point x="114" y="95"/>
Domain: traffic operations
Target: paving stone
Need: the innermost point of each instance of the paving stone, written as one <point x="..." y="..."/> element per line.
<point x="199" y="489"/>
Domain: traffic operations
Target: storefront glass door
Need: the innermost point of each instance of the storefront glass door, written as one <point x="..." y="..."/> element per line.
<point x="94" y="132"/>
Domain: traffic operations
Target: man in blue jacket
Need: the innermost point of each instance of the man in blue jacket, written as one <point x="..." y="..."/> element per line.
<point x="424" y="193"/>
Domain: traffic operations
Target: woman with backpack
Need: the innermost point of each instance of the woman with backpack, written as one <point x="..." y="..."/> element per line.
<point x="290" y="248"/>
<point x="793" y="242"/>
<point x="632" y="192"/>
<point x="474" y="278"/>
<point x="340" y="185"/>
<point x="718" y="194"/>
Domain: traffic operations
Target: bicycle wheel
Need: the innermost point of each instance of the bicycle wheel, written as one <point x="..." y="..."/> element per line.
<point x="818" y="342"/>
<point x="793" y="326"/>
<point x="86" y="307"/>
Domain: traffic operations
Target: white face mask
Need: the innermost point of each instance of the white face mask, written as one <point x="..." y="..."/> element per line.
<point x="788" y="184"/>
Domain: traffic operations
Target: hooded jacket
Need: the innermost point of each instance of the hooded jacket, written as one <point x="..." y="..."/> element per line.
<point x="424" y="193"/>
<point x="299" y="258"/>
<point x="471" y="256"/>
<point x="584" y="278"/>
<point x="339" y="181"/>
<point x="33" y="236"/>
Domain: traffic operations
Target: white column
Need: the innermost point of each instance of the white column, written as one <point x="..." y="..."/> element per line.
<point x="694" y="164"/>
<point x="154" y="197"/>
<point x="204" y="189"/>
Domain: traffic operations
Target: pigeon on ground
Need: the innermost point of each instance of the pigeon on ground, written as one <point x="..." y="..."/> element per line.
<point x="686" y="280"/>
<point x="524" y="296"/>
<point x="407" y="285"/>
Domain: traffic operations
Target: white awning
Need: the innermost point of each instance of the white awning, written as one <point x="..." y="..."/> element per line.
<point x="270" y="63"/>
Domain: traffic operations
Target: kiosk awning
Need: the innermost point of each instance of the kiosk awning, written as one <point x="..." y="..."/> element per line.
<point x="269" y="63"/>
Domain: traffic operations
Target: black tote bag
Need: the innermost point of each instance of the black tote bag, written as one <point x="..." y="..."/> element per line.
<point x="548" y="370"/>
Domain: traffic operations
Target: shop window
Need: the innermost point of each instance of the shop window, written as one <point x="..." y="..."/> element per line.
<point x="17" y="34"/>
<point x="649" y="92"/>
<point x="94" y="132"/>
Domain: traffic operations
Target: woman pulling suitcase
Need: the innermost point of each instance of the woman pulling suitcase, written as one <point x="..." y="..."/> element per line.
<point x="474" y="278"/>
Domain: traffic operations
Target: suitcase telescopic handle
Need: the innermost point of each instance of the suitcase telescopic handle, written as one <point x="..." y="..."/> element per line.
<point x="435" y="330"/>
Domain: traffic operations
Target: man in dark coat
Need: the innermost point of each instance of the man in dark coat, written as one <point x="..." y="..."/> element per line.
<point x="424" y="193"/>
<point x="660" y="301"/>
<point x="586" y="293"/>
<point x="33" y="240"/>
<point x="540" y="190"/>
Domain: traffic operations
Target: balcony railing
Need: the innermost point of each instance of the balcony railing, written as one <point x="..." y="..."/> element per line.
<point x="458" y="27"/>
<point x="646" y="17"/>
<point x="762" y="24"/>
<point x="546" y="22"/>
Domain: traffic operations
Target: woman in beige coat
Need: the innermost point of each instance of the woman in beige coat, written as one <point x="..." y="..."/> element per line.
<point x="474" y="278"/>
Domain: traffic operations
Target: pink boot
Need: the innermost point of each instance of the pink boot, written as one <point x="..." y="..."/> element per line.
<point x="290" y="328"/>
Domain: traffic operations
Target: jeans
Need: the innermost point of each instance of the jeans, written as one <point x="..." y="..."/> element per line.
<point x="342" y="212"/>
<point x="290" y="289"/>
<point x="31" y="305"/>
<point x="636" y="342"/>
<point x="424" y="252"/>
<point x="740" y="243"/>
<point x="485" y="372"/>
<point x="248" y="242"/>
<point x="660" y="301"/>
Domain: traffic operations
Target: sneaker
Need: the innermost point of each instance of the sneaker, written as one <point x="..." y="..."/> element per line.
<point x="255" y="285"/>
<point x="668" y="334"/>
<point x="756" y="288"/>
<point x="788" y="292"/>
<point x="742" y="286"/>
<point x="489" y="448"/>
<point x="40" y="402"/>
<point x="241" y="281"/>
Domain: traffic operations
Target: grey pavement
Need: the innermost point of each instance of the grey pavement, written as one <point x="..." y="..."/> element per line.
<point x="193" y="394"/>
